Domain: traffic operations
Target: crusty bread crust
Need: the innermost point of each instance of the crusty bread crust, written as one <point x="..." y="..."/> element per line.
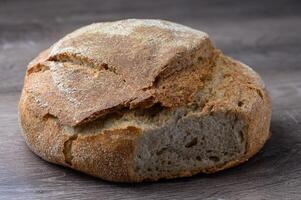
<point x="77" y="81"/>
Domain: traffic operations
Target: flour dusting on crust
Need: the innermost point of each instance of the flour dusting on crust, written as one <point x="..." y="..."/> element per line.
<point x="182" y="35"/>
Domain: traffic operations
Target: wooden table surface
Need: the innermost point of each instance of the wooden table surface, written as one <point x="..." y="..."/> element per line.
<point x="264" y="34"/>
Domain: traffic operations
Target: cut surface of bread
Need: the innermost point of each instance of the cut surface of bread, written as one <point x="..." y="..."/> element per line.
<point x="140" y="100"/>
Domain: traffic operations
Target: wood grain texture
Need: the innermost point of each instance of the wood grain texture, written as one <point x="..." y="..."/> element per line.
<point x="264" y="34"/>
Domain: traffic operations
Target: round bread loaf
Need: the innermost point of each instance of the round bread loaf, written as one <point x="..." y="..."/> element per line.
<point x="140" y="100"/>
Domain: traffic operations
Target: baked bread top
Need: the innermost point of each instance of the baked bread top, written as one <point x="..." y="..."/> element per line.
<point x="106" y="67"/>
<point x="138" y="100"/>
<point x="109" y="66"/>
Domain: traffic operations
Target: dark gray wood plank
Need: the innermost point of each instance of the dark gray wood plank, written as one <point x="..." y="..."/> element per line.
<point x="264" y="34"/>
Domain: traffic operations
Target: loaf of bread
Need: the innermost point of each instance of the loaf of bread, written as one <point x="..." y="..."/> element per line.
<point x="140" y="100"/>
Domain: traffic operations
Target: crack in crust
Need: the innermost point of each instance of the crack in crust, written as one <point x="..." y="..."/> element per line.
<point x="174" y="94"/>
<point x="40" y="67"/>
<point x="76" y="59"/>
<point x="79" y="80"/>
<point x="67" y="150"/>
<point x="73" y="59"/>
<point x="85" y="81"/>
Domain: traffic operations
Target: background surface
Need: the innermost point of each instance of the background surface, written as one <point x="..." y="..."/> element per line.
<point x="263" y="34"/>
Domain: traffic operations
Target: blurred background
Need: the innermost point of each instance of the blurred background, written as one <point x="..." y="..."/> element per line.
<point x="264" y="34"/>
<point x="255" y="32"/>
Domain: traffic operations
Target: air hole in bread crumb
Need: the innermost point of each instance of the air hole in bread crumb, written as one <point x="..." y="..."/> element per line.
<point x="240" y="104"/>
<point x="192" y="143"/>
<point x="152" y="111"/>
<point x="241" y="136"/>
<point x="233" y="125"/>
<point x="161" y="151"/>
<point x="198" y="158"/>
<point x="214" y="158"/>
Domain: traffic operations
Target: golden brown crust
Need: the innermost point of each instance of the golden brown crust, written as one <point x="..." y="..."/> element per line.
<point x="77" y="70"/>
<point x="64" y="88"/>
<point x="106" y="155"/>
